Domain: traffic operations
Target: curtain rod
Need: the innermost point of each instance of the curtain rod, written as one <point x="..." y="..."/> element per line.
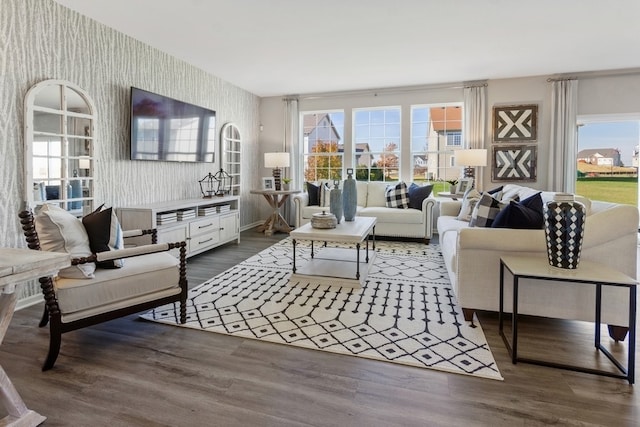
<point x="389" y="90"/>
<point x="597" y="74"/>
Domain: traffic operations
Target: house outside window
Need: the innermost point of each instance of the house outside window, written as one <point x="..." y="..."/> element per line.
<point x="377" y="143"/>
<point x="323" y="146"/>
<point x="436" y="132"/>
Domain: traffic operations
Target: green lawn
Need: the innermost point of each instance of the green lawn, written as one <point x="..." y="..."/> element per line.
<point x="617" y="190"/>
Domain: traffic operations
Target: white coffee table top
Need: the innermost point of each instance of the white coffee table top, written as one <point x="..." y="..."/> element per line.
<point x="587" y="271"/>
<point x="346" y="232"/>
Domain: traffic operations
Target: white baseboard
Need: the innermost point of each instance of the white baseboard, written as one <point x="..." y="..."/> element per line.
<point x="29" y="301"/>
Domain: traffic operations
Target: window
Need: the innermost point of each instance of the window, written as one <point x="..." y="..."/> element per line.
<point x="436" y="132"/>
<point x="377" y="143"/>
<point x="454" y="139"/>
<point x="323" y="146"/>
<point x="607" y="158"/>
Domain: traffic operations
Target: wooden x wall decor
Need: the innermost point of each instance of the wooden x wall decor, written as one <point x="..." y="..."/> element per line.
<point x="515" y="123"/>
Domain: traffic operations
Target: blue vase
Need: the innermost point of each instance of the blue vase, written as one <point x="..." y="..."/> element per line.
<point x="76" y="193"/>
<point x="349" y="197"/>
<point x="564" y="230"/>
<point x="335" y="202"/>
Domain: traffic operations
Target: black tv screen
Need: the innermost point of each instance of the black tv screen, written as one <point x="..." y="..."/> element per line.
<point x="166" y="129"/>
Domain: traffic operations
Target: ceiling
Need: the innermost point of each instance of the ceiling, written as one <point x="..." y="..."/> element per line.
<point x="278" y="47"/>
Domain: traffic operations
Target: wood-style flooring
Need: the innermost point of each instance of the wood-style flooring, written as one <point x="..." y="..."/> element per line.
<point x="130" y="372"/>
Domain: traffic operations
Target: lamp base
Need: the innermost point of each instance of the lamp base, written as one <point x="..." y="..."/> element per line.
<point x="277" y="183"/>
<point x="469" y="172"/>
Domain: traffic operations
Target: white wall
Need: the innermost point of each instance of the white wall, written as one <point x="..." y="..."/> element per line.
<point x="40" y="39"/>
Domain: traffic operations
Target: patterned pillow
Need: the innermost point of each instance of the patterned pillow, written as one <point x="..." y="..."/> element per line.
<point x="486" y="211"/>
<point x="471" y="197"/>
<point x="397" y="196"/>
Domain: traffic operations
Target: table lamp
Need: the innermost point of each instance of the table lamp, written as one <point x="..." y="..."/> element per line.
<point x="276" y="161"/>
<point x="470" y="159"/>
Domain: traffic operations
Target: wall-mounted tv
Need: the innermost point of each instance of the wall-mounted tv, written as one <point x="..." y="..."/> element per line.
<point x="166" y="129"/>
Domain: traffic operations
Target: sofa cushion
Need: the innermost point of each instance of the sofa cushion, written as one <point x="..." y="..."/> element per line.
<point x="376" y="194"/>
<point x="526" y="214"/>
<point x="393" y="216"/>
<point x="471" y="197"/>
<point x="362" y="190"/>
<point x="59" y="231"/>
<point x="314" y="194"/>
<point x="417" y="194"/>
<point x="105" y="234"/>
<point x="397" y="196"/>
<point x="486" y="211"/>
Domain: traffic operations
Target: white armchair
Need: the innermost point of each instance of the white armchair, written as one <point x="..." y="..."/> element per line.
<point x="148" y="277"/>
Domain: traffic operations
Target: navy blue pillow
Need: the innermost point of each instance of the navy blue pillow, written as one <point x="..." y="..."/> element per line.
<point x="314" y="194"/>
<point x="526" y="214"/>
<point x="417" y="194"/>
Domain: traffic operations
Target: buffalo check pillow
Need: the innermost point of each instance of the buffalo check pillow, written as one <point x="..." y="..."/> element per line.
<point x="397" y="196"/>
<point x="486" y="210"/>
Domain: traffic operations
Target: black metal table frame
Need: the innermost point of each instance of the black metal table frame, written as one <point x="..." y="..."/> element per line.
<point x="373" y="239"/>
<point x="628" y="373"/>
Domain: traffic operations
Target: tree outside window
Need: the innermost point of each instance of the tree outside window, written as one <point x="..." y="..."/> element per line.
<point x="323" y="146"/>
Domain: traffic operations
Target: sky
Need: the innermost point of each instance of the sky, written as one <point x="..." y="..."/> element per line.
<point x="621" y="135"/>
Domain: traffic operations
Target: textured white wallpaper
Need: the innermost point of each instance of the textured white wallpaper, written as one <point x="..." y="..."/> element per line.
<point x="40" y="39"/>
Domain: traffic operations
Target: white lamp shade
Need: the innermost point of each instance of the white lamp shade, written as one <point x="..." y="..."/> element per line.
<point x="471" y="157"/>
<point x="84" y="163"/>
<point x="276" y="160"/>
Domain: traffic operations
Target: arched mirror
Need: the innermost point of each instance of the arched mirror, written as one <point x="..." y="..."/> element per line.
<point x="59" y="136"/>
<point x="230" y="154"/>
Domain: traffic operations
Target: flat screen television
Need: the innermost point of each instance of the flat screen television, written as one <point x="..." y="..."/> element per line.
<point x="165" y="129"/>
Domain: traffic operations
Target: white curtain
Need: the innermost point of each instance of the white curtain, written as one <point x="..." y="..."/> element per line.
<point x="563" y="142"/>
<point x="292" y="146"/>
<point x="475" y="118"/>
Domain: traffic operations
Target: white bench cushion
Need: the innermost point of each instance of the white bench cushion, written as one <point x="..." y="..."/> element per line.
<point x="140" y="275"/>
<point x="393" y="215"/>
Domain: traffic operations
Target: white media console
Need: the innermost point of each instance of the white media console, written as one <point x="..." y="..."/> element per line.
<point x="202" y="223"/>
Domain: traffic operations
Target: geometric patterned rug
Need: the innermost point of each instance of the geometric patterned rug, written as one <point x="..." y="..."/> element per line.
<point x="406" y="312"/>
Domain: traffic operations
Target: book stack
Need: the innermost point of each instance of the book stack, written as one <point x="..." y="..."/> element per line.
<point x="166" y="218"/>
<point x="186" y="214"/>
<point x="206" y="210"/>
<point x="563" y="197"/>
<point x="224" y="208"/>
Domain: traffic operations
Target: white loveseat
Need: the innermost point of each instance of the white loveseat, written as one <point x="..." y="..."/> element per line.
<point x="472" y="258"/>
<point x="391" y="222"/>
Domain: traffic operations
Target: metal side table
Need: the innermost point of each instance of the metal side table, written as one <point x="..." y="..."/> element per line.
<point x="590" y="273"/>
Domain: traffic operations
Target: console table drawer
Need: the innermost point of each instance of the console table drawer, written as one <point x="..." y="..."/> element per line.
<point x="202" y="226"/>
<point x="204" y="241"/>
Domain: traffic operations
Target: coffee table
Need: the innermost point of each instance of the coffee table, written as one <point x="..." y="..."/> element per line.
<point x="335" y="266"/>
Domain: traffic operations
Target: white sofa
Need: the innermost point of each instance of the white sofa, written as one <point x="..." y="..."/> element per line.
<point x="472" y="258"/>
<point x="391" y="222"/>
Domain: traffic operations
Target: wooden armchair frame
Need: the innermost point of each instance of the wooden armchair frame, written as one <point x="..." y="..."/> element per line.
<point x="52" y="312"/>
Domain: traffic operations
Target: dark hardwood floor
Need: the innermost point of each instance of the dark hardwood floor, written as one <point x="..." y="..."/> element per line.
<point x="130" y="372"/>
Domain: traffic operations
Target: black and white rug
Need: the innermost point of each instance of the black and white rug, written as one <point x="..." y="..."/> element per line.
<point x="406" y="312"/>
